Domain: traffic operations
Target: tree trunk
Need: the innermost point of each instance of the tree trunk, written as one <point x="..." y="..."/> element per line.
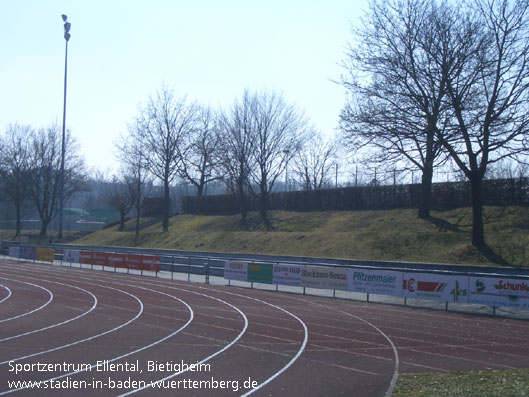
<point x="242" y="203"/>
<point x="478" y="236"/>
<point x="263" y="209"/>
<point x="17" y="233"/>
<point x="165" y="219"/>
<point x="43" y="227"/>
<point x="121" y="221"/>
<point x="426" y="191"/>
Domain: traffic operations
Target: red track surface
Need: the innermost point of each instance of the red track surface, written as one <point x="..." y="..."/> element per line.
<point x="285" y="343"/>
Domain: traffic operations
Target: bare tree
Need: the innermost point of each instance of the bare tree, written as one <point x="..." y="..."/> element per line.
<point x="118" y="197"/>
<point x="279" y="131"/>
<point x="488" y="91"/>
<point x="197" y="162"/>
<point x="15" y="166"/>
<point x="135" y="174"/>
<point x="396" y="88"/>
<point x="163" y="122"/>
<point x="313" y="165"/>
<point x="45" y="172"/>
<point x="236" y="145"/>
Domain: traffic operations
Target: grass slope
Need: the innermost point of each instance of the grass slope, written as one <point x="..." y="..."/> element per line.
<point x="371" y="235"/>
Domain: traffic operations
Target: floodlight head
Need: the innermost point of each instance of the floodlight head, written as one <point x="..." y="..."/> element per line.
<point x="64" y="18"/>
<point x="67" y="26"/>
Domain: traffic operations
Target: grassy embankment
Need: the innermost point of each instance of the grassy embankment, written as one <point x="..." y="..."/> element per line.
<point x="371" y="235"/>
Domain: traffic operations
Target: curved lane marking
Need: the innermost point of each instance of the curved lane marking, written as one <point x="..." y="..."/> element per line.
<point x="395" y="376"/>
<point x="191" y="317"/>
<point x="8" y="293"/>
<point x="241" y="333"/>
<point x="57" y="324"/>
<point x="85" y="339"/>
<point x="32" y="311"/>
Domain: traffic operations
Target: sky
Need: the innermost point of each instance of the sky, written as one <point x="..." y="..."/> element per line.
<point x="123" y="51"/>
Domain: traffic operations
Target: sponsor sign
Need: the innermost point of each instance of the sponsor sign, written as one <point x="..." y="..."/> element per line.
<point x="260" y="273"/>
<point x="234" y="270"/>
<point x="14" y="252"/>
<point x="499" y="292"/>
<point x="374" y="282"/>
<point x="86" y="257"/>
<point x="138" y="262"/>
<point x="71" y="256"/>
<point x="435" y="287"/>
<point x="149" y="262"/>
<point x="100" y="258"/>
<point x="117" y="260"/>
<point x="45" y="254"/>
<point x="27" y="252"/>
<point x="324" y="277"/>
<point x="287" y="275"/>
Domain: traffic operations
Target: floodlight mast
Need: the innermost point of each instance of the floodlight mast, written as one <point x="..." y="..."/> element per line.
<point x="67" y="27"/>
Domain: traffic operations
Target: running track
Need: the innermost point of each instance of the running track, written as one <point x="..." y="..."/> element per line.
<point x="287" y="344"/>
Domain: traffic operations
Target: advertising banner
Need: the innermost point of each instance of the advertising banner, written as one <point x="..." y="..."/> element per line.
<point x="287" y="275"/>
<point x="100" y="258"/>
<point x="498" y="292"/>
<point x="150" y="262"/>
<point x="27" y="252"/>
<point x="375" y="282"/>
<point x="117" y="260"/>
<point x="142" y="262"/>
<point x="86" y="257"/>
<point x="260" y="272"/>
<point x="71" y="256"/>
<point x="45" y="254"/>
<point x="324" y="277"/>
<point x="14" y="252"/>
<point x="435" y="287"/>
<point x="234" y="270"/>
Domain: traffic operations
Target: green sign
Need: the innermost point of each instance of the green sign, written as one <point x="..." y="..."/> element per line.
<point x="260" y="272"/>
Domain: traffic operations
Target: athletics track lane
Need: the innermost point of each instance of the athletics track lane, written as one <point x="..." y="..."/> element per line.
<point x="302" y="345"/>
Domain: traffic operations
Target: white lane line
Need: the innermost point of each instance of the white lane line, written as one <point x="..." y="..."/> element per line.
<point x="241" y="333"/>
<point x="8" y="293"/>
<point x="239" y="336"/>
<point x="395" y="376"/>
<point x="86" y="339"/>
<point x="191" y="316"/>
<point x="32" y="311"/>
<point x="56" y="324"/>
<point x="296" y="356"/>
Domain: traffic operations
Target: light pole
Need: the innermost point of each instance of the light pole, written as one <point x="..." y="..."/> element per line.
<point x="67" y="26"/>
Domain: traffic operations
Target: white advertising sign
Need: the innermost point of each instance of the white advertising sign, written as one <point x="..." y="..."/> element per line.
<point x="71" y="256"/>
<point x="287" y="275"/>
<point x="234" y="270"/>
<point x="324" y="277"/>
<point x="499" y="292"/>
<point x="435" y="287"/>
<point x="375" y="282"/>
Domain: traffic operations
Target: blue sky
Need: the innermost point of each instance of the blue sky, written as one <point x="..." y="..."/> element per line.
<point x="122" y="51"/>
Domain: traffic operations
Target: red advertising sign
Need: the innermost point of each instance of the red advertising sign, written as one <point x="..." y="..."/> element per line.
<point x="86" y="257"/>
<point x="127" y="261"/>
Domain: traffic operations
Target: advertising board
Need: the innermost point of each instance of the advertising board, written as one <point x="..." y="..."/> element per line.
<point x="498" y="292"/>
<point x="375" y="282"/>
<point x="287" y="275"/>
<point x="435" y="287"/>
<point x="324" y="277"/>
<point x="235" y="270"/>
<point x="260" y="273"/>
